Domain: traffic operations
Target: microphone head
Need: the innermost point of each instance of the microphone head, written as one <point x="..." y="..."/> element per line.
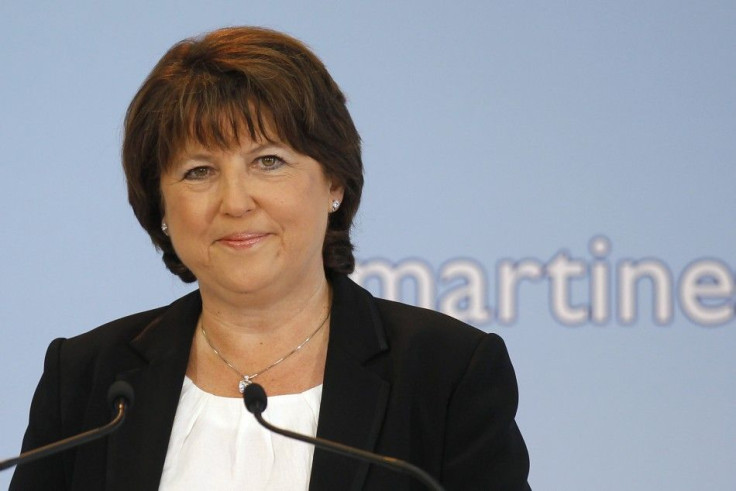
<point x="255" y="398"/>
<point x="120" y="390"/>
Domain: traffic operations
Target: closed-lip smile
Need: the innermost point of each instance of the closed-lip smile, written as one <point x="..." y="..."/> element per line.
<point x="241" y="240"/>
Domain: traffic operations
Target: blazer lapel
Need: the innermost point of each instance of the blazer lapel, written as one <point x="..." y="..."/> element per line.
<point x="354" y="398"/>
<point x="154" y="364"/>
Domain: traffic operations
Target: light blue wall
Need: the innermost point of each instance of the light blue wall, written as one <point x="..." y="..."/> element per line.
<point x="499" y="137"/>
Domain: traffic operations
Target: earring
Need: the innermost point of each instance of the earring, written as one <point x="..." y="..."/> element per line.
<point x="164" y="228"/>
<point x="335" y="205"/>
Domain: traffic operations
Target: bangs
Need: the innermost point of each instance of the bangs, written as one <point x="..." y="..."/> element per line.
<point x="214" y="112"/>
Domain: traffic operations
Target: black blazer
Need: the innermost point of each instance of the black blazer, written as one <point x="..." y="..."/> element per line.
<point x="399" y="380"/>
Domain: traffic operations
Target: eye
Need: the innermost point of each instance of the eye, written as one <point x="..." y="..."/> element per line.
<point x="198" y="173"/>
<point x="270" y="162"/>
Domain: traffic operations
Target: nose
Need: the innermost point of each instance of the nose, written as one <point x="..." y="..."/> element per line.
<point x="235" y="195"/>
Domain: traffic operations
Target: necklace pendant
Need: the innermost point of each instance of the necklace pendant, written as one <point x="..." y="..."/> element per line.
<point x="244" y="383"/>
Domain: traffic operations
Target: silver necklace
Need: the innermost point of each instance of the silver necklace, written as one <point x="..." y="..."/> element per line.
<point x="246" y="380"/>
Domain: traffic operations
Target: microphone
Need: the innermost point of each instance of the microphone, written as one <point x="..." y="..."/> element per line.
<point x="120" y="396"/>
<point x="255" y="400"/>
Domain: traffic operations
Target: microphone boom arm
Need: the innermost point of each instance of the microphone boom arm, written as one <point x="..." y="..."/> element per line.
<point x="388" y="462"/>
<point x="70" y="442"/>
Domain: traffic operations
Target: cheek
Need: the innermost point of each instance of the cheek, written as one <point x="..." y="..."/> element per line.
<point x="185" y="217"/>
<point x="302" y="218"/>
<point x="307" y="201"/>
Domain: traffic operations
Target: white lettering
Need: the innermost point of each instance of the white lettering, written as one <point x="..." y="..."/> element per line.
<point x="706" y="289"/>
<point x="467" y="301"/>
<point x="391" y="278"/>
<point x="560" y="271"/>
<point x="600" y="300"/>
<point x="629" y="275"/>
<point x="509" y="276"/>
<point x="704" y="280"/>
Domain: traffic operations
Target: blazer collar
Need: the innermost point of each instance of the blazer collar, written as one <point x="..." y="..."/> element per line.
<point x="354" y="397"/>
<point x="356" y="328"/>
<point x="154" y="363"/>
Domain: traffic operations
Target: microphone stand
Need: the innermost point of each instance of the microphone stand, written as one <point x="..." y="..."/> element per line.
<point x="122" y="394"/>
<point x="257" y="404"/>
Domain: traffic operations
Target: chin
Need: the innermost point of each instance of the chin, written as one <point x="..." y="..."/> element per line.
<point x="246" y="282"/>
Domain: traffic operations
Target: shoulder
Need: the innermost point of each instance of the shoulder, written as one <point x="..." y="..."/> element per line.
<point x="430" y="322"/>
<point x="81" y="368"/>
<point x="436" y="349"/>
<point x="119" y="331"/>
<point x="113" y="340"/>
<point x="420" y="326"/>
<point x="411" y="332"/>
<point x="73" y="366"/>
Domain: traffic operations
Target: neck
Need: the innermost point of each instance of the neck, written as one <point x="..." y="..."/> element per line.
<point x="262" y="315"/>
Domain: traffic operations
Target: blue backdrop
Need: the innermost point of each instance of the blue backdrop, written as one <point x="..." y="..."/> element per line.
<point x="561" y="173"/>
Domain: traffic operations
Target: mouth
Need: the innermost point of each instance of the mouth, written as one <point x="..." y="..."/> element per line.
<point x="243" y="240"/>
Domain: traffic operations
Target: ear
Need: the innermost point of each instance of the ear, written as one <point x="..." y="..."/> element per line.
<point x="337" y="190"/>
<point x="337" y="193"/>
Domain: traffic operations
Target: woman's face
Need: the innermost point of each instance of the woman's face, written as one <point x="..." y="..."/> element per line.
<point x="249" y="219"/>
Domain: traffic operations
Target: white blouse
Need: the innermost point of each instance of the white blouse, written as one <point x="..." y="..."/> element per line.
<point x="216" y="444"/>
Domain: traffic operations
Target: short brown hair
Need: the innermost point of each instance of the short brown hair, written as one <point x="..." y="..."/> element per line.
<point x="210" y="89"/>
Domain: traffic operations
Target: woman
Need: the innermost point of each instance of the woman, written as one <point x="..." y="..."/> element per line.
<point x="244" y="167"/>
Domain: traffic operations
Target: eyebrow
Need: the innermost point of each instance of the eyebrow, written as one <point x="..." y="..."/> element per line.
<point x="269" y="145"/>
<point x="205" y="154"/>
